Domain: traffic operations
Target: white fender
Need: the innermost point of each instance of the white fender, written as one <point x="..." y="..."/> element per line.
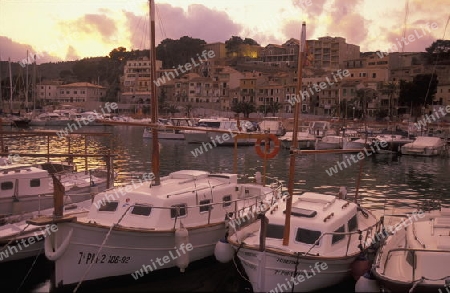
<point x="182" y="239"/>
<point x="53" y="253"/>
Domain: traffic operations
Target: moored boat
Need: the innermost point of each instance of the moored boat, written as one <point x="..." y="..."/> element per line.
<point x="424" y="146"/>
<point x="123" y="233"/>
<point x="26" y="188"/>
<point x="415" y="255"/>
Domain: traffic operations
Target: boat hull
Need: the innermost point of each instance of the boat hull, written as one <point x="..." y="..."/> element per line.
<point x="211" y="138"/>
<point x="125" y="252"/>
<point x="311" y="273"/>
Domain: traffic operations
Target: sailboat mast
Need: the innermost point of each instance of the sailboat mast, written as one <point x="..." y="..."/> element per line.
<point x="33" y="87"/>
<point x="154" y="99"/>
<point x="294" y="146"/>
<point x="26" y="87"/>
<point x="1" y="93"/>
<point x="10" y="86"/>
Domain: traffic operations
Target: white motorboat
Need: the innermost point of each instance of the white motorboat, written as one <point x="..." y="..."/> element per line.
<point x="26" y="188"/>
<point x="329" y="142"/>
<point x="305" y="140"/>
<point x="322" y="246"/>
<point x="424" y="146"/>
<point x="415" y="255"/>
<point x="272" y="125"/>
<point x="392" y="142"/>
<point x="207" y="133"/>
<point x="123" y="233"/>
<point x="350" y="143"/>
<point x="169" y="133"/>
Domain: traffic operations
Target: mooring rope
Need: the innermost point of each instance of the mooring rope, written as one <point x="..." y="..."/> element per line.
<point x="100" y="249"/>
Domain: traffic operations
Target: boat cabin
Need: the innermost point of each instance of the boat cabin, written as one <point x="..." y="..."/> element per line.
<point x="316" y="221"/>
<point x="188" y="196"/>
<point x="20" y="181"/>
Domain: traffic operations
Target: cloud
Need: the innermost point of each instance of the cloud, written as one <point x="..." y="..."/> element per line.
<point x="347" y="22"/>
<point x="71" y="54"/>
<point x="173" y="22"/>
<point x="311" y="7"/>
<point x="94" y="25"/>
<point x="17" y="52"/>
<point x="416" y="40"/>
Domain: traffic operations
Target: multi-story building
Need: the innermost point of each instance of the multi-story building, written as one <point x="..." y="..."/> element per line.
<point x="218" y="48"/>
<point x="81" y="94"/>
<point x="442" y="96"/>
<point x="331" y="52"/>
<point x="47" y="91"/>
<point x="135" y="83"/>
<point x="286" y="53"/>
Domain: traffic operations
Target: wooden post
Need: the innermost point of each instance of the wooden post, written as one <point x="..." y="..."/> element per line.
<point x="85" y="153"/>
<point x="48" y="148"/>
<point x="58" y="197"/>
<point x="263" y="233"/>
<point x="108" y="169"/>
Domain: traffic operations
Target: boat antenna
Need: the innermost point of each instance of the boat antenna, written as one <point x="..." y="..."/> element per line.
<point x="154" y="99"/>
<point x="294" y="146"/>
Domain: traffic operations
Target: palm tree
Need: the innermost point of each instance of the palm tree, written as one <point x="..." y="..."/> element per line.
<point x="243" y="107"/>
<point x="363" y="97"/>
<point x="391" y="90"/>
<point x="275" y="107"/>
<point x="188" y="108"/>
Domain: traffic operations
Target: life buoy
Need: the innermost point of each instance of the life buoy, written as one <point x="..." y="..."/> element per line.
<point x="51" y="252"/>
<point x="271" y="154"/>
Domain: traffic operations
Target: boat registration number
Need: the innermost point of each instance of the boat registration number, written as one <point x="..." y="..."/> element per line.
<point x="89" y="257"/>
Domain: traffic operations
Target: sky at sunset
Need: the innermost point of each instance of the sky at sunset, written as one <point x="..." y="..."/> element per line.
<point x="70" y="30"/>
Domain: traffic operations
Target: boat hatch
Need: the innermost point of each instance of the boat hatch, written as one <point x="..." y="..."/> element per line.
<point x="299" y="212"/>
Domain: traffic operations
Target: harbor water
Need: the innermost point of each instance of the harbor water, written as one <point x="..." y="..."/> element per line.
<point x="385" y="184"/>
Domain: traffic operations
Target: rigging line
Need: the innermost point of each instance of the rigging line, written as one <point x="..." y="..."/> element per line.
<point x="405" y="21"/>
<point x="161" y="26"/>
<point x="435" y="63"/>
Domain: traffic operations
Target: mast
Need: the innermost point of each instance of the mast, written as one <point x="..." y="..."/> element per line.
<point x="294" y="146"/>
<point x="1" y="93"/>
<point x="33" y="87"/>
<point x="10" y="86"/>
<point x="26" y="87"/>
<point x="154" y="99"/>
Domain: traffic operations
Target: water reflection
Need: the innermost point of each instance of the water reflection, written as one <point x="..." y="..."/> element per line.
<point x="386" y="183"/>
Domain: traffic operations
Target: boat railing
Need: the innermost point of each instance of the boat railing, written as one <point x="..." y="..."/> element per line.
<point x="368" y="231"/>
<point x="258" y="204"/>
<point x="413" y="251"/>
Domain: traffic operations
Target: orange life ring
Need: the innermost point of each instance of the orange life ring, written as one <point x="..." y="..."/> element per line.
<point x="262" y="152"/>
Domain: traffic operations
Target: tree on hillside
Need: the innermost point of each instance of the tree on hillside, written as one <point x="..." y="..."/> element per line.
<point x="439" y="51"/>
<point x="419" y="92"/>
<point x="174" y="53"/>
<point x="118" y="54"/>
<point x="234" y="45"/>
